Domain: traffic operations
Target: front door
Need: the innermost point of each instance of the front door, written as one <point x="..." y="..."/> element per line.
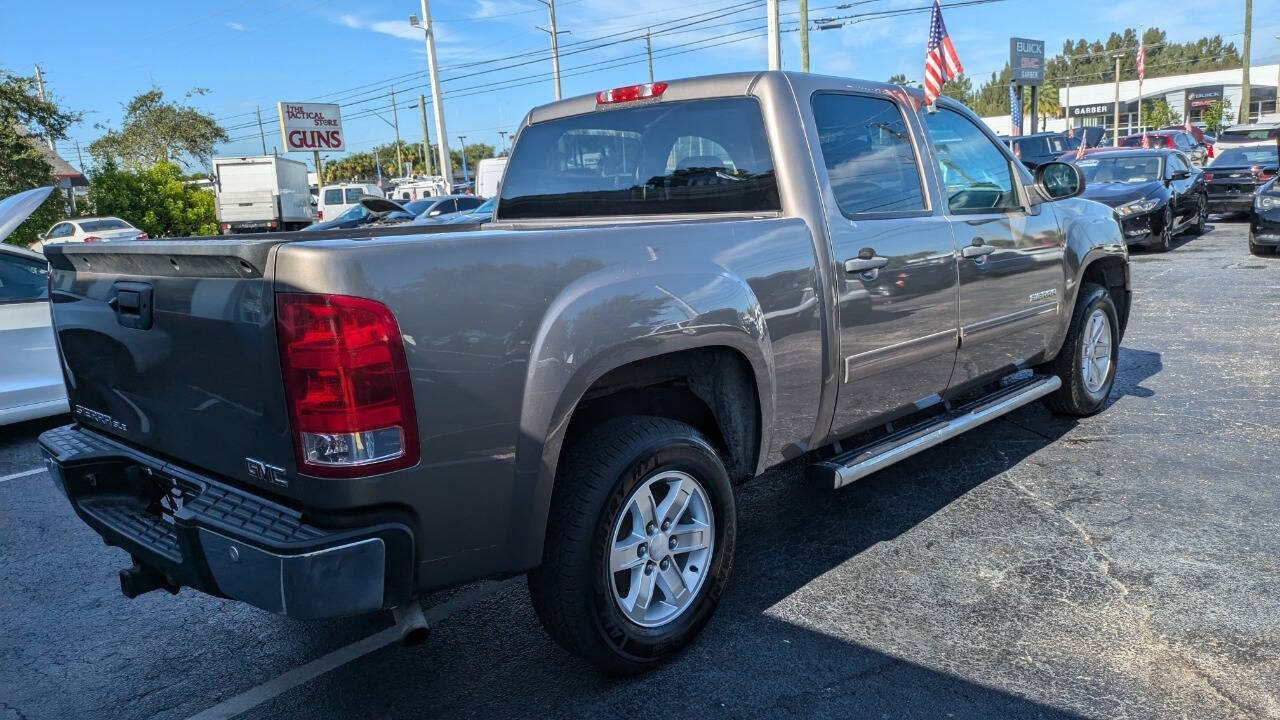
<point x="895" y="262"/>
<point x="1185" y="203"/>
<point x="1010" y="252"/>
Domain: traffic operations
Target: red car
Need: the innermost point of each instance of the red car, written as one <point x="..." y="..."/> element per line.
<point x="1172" y="139"/>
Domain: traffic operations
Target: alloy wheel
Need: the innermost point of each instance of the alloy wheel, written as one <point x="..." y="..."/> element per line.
<point x="1095" y="355"/>
<point x="661" y="548"/>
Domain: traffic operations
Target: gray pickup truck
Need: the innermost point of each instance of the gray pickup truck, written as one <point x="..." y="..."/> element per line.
<point x="684" y="284"/>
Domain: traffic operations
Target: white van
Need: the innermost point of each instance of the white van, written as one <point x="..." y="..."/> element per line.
<point x="334" y="199"/>
<point x="489" y="176"/>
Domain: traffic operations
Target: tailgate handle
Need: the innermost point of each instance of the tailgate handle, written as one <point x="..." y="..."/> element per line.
<point x="131" y="302"/>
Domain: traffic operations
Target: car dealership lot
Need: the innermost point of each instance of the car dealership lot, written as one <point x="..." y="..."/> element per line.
<point x="1125" y="565"/>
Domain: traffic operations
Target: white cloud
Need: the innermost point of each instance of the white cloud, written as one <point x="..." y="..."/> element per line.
<point x="234" y="26"/>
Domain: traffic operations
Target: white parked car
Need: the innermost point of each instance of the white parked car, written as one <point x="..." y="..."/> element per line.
<point x="31" y="383"/>
<point x="93" y="229"/>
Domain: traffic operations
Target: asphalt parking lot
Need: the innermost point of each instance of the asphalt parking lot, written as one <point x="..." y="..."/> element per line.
<point x="1123" y="566"/>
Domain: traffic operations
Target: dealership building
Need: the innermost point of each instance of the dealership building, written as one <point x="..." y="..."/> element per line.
<point x="1186" y="94"/>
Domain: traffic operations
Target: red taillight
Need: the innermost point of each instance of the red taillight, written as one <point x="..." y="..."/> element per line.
<point x="347" y="384"/>
<point x="631" y="93"/>
<point x="319" y="215"/>
<point x="143" y="236"/>
<point x="1208" y="176"/>
<point x="91" y="238"/>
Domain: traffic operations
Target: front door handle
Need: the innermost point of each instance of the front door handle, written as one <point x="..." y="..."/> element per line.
<point x="973" y="251"/>
<point x="865" y="264"/>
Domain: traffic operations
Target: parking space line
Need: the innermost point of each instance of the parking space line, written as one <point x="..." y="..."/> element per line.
<point x="281" y="684"/>
<point x="24" y="473"/>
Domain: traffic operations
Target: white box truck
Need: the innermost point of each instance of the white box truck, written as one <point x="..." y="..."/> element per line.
<point x="489" y="176"/>
<point x="262" y="193"/>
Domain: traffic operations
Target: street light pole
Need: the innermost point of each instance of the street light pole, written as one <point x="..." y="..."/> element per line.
<point x="262" y="135"/>
<point x="1115" y="133"/>
<point x="437" y="104"/>
<point x="804" y="35"/>
<point x="1244" y="74"/>
<point x="395" y="120"/>
<point x="462" y="143"/>
<point x="503" y="134"/>
<point x="648" y="46"/>
<point x="775" y="36"/>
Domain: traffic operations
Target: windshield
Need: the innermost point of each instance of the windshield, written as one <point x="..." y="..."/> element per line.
<point x="355" y="212"/>
<point x="1133" y="169"/>
<point x="1257" y="135"/>
<point x="105" y="224"/>
<point x="417" y="207"/>
<point x="654" y="158"/>
<point x="486" y="206"/>
<point x="1261" y="155"/>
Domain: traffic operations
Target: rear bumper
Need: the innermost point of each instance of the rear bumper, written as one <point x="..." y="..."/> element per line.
<point x="1230" y="203"/>
<point x="205" y="534"/>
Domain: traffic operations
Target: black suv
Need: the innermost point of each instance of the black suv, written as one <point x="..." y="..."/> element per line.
<point x="1039" y="148"/>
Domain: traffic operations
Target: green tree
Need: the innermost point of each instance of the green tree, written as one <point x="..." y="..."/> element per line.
<point x="155" y="131"/>
<point x="898" y="79"/>
<point x="1157" y="114"/>
<point x="22" y="163"/>
<point x="157" y="200"/>
<point x="475" y="153"/>
<point x="1215" y="114"/>
<point x="959" y="88"/>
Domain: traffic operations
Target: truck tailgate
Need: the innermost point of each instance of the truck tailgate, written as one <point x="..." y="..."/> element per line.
<point x="171" y="346"/>
<point x="246" y="206"/>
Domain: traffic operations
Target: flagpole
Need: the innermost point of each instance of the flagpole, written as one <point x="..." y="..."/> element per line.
<point x="1142" y="55"/>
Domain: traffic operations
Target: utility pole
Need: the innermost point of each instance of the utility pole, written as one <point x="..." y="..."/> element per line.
<point x="79" y="156"/>
<point x="1115" y="132"/>
<point x="1244" y="81"/>
<point x="437" y="105"/>
<point x="648" y="47"/>
<point x="426" y="140"/>
<point x="555" y="43"/>
<point x="40" y="88"/>
<point x="262" y="134"/>
<point x="503" y="134"/>
<point x="775" y="36"/>
<point x="804" y="35"/>
<point x="395" y="122"/>
<point x="462" y="142"/>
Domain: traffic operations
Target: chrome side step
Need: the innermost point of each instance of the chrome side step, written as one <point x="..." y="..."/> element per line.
<point x="862" y="461"/>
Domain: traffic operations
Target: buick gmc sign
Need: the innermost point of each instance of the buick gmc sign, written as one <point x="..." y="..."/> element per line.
<point x="311" y="126"/>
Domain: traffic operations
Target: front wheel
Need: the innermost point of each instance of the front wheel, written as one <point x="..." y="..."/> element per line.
<point x="1164" y="240"/>
<point x="1260" y="250"/>
<point x="639" y="543"/>
<point x="1088" y="358"/>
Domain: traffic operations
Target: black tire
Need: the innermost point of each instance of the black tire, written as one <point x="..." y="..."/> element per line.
<point x="1164" y="241"/>
<point x="1074" y="397"/>
<point x="594" y="483"/>
<point x="1261" y="250"/>
<point x="1202" y="216"/>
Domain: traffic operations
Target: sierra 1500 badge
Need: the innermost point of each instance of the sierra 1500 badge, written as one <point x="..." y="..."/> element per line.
<point x="100" y="418"/>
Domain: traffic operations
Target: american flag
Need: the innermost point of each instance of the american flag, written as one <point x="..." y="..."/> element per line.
<point x="940" y="60"/>
<point x="1015" y="111"/>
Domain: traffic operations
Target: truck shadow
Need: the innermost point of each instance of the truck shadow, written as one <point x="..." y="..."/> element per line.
<point x="780" y="645"/>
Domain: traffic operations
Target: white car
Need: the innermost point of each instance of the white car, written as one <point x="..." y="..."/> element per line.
<point x="335" y="199"/>
<point x="31" y="383"/>
<point x="93" y="229"/>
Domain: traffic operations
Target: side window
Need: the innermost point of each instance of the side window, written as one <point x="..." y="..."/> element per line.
<point x="468" y="203"/>
<point x="976" y="176"/>
<point x="22" y="279"/>
<point x="354" y="194"/>
<point x="333" y="196"/>
<point x="866" y="147"/>
<point x="62" y="230"/>
<point x="1178" y="162"/>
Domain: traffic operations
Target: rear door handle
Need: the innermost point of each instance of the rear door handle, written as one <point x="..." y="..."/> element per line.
<point x="973" y="251"/>
<point x="864" y="264"/>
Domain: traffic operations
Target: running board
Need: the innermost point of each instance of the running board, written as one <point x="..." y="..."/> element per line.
<point x="862" y="461"/>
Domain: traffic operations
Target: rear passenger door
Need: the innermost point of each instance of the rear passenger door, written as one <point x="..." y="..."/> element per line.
<point x="1010" y="259"/>
<point x="895" y="261"/>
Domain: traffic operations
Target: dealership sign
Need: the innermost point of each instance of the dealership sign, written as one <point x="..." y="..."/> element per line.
<point x="311" y="126"/>
<point x="1026" y="60"/>
<point x="1202" y="97"/>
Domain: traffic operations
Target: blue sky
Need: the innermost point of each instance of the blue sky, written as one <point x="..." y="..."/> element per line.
<point x="251" y="53"/>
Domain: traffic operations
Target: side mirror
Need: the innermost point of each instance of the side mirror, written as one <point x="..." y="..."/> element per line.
<point x="1271" y="170"/>
<point x="1180" y="175"/>
<point x="42" y="236"/>
<point x="1059" y="180"/>
<point x="434" y="213"/>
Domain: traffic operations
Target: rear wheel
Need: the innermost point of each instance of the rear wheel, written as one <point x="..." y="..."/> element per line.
<point x="639" y="543"/>
<point x="1255" y="249"/>
<point x="1087" y="361"/>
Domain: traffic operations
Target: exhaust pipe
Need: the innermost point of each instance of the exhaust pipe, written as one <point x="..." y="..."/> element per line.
<point x="140" y="579"/>
<point x="414" y="629"/>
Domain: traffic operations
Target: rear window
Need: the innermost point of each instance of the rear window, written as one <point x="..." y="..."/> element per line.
<point x="354" y="194"/>
<point x="104" y="224"/>
<point x="1265" y="155"/>
<point x="22" y="279"/>
<point x="1030" y="146"/>
<point x="333" y="196"/>
<point x="1249" y="135"/>
<point x="695" y="156"/>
